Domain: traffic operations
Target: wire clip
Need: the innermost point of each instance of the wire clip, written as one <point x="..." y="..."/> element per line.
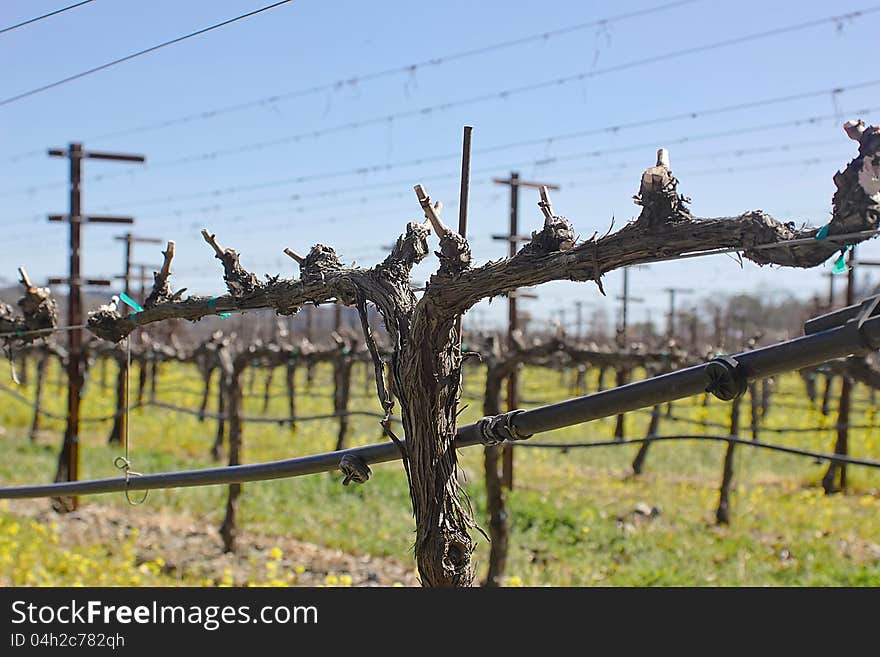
<point x="125" y="465"/>
<point x="355" y="469"/>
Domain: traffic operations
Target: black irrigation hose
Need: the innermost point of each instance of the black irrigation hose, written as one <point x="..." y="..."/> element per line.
<point x="819" y="344"/>
<point x="835" y="458"/>
<point x="329" y="462"/>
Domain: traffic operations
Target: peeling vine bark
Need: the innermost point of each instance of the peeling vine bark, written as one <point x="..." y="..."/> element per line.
<point x="766" y="396"/>
<point x="499" y="525"/>
<point x="42" y="362"/>
<point x="154" y="377"/>
<point x="342" y="366"/>
<point x="722" y="513"/>
<point x="143" y="370"/>
<point x="39" y="314"/>
<point x="225" y="369"/>
<point x="290" y="381"/>
<point x="115" y="436"/>
<point x="639" y="461"/>
<point x="620" y="423"/>
<point x="754" y="404"/>
<point x="206" y="393"/>
<point x="826" y="395"/>
<point x="499" y="368"/>
<point x="228" y="529"/>
<point x="267" y="387"/>
<point x="834" y="480"/>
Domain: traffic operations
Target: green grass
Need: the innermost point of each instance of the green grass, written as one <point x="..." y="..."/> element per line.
<point x="572" y="514"/>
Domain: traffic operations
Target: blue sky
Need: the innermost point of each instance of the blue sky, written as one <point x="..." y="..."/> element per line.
<point x="779" y="158"/>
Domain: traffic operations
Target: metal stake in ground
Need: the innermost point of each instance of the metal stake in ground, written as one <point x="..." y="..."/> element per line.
<point x="463" y="197"/>
<point x="130" y="240"/>
<point x="68" y="461"/>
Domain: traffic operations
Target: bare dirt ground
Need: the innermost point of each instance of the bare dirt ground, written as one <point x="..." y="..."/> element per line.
<point x="192" y="549"/>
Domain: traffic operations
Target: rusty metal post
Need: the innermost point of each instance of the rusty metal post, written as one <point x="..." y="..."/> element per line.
<point x="143" y="280"/>
<point x="127" y="276"/>
<point x="512" y="239"/>
<point x="68" y="460"/>
<point x="463" y="194"/>
<point x="68" y="464"/>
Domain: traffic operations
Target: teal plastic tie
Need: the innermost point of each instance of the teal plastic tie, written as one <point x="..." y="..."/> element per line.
<point x="823" y="232"/>
<point x="131" y="302"/>
<point x="840" y="264"/>
<point x="212" y="303"/>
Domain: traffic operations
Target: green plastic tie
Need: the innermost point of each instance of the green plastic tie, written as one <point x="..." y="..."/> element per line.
<point x="823" y="232"/>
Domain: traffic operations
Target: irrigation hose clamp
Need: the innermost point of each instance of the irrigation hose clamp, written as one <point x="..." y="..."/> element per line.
<point x="496" y="429"/>
<point x="725" y="378"/>
<point x="355" y="469"/>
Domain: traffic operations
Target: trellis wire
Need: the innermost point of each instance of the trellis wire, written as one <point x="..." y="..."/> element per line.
<point x="837" y="458"/>
<point x="57" y="416"/>
<point x="124" y="462"/>
<point x="267" y="420"/>
<point x="193" y="411"/>
<point x="719" y="425"/>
